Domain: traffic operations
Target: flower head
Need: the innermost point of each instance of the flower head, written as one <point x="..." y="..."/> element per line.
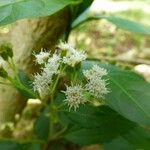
<point x="41" y="57"/>
<point x="73" y="58"/>
<point x="74" y="96"/>
<point x="42" y="81"/>
<point x="95" y="71"/>
<point x="96" y="86"/>
<point x="53" y="65"/>
<point x="66" y="46"/>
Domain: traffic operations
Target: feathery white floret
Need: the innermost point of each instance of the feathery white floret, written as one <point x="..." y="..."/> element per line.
<point x="41" y="57"/>
<point x="95" y="71"/>
<point x="74" y="96"/>
<point x="96" y="86"/>
<point x="66" y="46"/>
<point x="42" y="81"/>
<point x="53" y="65"/>
<point x="74" y="58"/>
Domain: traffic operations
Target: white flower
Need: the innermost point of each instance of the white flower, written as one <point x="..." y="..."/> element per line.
<point x="53" y="65"/>
<point x="41" y="57"/>
<point x="95" y="71"/>
<point x="74" y="96"/>
<point x="74" y="57"/>
<point x="66" y="46"/>
<point x="42" y="81"/>
<point x="97" y="87"/>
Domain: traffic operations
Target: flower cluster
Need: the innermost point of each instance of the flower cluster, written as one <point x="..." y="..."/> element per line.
<point x="94" y="72"/>
<point x="51" y="66"/>
<point x="42" y="81"/>
<point x="41" y="57"/>
<point x="76" y="94"/>
<point x="73" y="56"/>
<point x="96" y="85"/>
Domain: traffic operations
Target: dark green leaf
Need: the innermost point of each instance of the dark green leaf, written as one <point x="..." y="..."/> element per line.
<point x="79" y="9"/>
<point x="119" y="22"/>
<point x="13" y="10"/>
<point x="13" y="145"/>
<point x="30" y="146"/>
<point x="9" y="145"/>
<point x="91" y="125"/>
<point x="24" y="85"/>
<point x="119" y="144"/>
<point x="129" y="94"/>
<point x="137" y="138"/>
<point x="3" y="72"/>
<point x="24" y="79"/>
<point x="42" y="125"/>
<point x="6" y="51"/>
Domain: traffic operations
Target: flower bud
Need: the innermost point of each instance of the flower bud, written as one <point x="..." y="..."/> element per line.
<point x="6" y="51"/>
<point x="3" y="73"/>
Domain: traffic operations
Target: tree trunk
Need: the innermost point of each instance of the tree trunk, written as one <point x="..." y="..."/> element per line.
<point x="27" y="36"/>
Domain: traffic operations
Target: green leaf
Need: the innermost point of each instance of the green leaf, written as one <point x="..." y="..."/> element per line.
<point x="13" y="145"/>
<point x="128" y="25"/>
<point x="79" y="9"/>
<point x="135" y="139"/>
<point x="118" y="21"/>
<point x="129" y="94"/>
<point x="30" y="146"/>
<point x="42" y="125"/>
<point x="24" y="85"/>
<point x="9" y="145"/>
<point x="92" y="125"/>
<point x="119" y="143"/>
<point x="13" y="10"/>
<point x="95" y="125"/>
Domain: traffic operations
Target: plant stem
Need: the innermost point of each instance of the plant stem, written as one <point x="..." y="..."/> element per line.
<point x="53" y="108"/>
<point x="54" y="87"/>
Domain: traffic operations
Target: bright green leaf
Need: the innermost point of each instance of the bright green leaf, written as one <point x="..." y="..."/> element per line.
<point x="13" y="10"/>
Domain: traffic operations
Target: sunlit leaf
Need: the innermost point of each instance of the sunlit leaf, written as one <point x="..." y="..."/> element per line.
<point x="13" y="10"/>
